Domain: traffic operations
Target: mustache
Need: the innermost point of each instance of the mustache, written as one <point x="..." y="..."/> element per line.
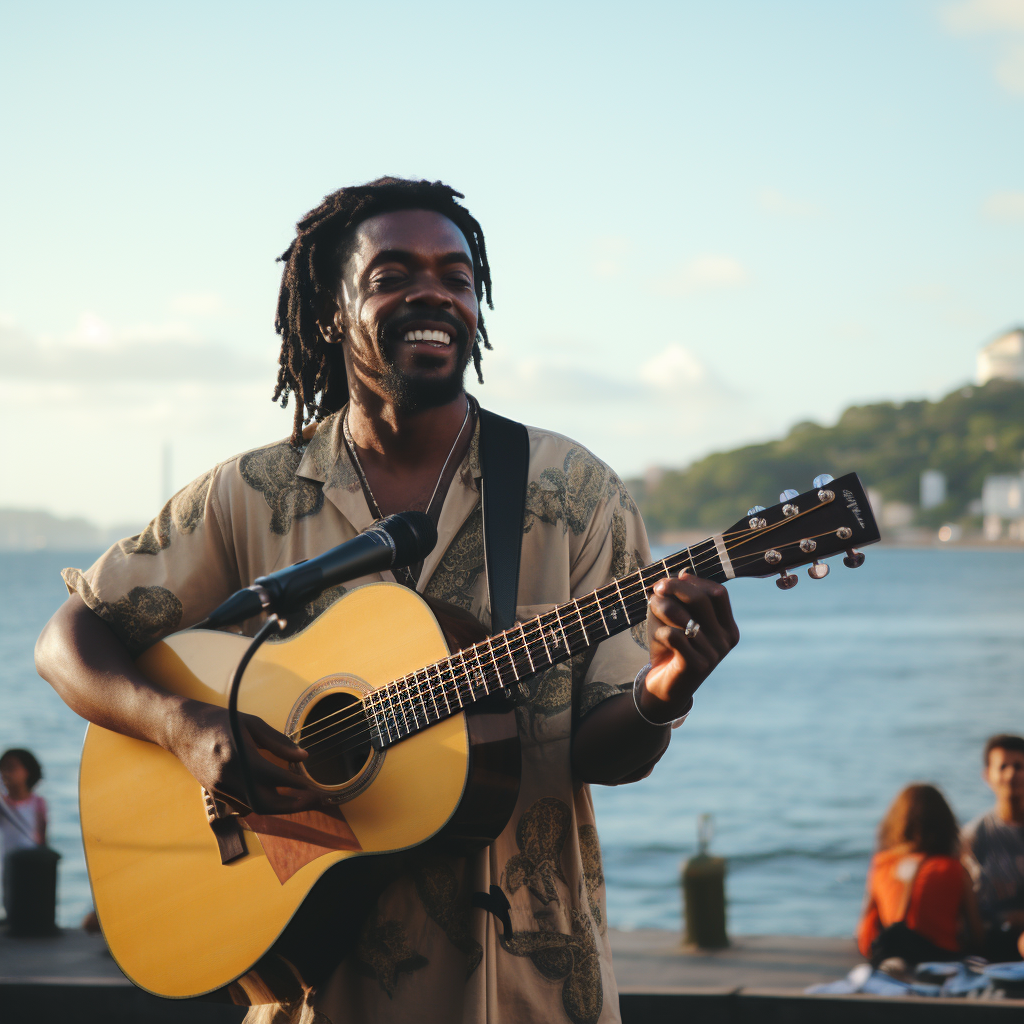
<point x="393" y="329"/>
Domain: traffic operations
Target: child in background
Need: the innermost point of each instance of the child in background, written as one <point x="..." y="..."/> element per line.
<point x="22" y="812"/>
<point x="920" y="901"/>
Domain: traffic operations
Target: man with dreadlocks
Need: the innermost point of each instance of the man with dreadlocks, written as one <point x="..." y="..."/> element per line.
<point x="379" y="314"/>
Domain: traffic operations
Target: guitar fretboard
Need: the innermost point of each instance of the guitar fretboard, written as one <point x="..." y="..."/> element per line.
<point x="501" y="662"/>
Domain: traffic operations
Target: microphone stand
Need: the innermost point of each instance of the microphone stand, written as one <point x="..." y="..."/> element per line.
<point x="272" y="625"/>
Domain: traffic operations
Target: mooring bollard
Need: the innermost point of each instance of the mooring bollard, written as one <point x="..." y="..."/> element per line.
<point x="30" y="891"/>
<point x="703" y="879"/>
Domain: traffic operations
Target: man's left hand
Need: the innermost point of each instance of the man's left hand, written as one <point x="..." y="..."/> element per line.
<point x="681" y="662"/>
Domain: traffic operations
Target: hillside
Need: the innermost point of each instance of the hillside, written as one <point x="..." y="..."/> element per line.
<point x="969" y="434"/>
<point x="34" y="529"/>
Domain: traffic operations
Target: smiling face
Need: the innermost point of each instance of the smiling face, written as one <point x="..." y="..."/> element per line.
<point x="1005" y="774"/>
<point x="407" y="308"/>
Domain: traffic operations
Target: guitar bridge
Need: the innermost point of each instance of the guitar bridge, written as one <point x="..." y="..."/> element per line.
<point x="226" y="827"/>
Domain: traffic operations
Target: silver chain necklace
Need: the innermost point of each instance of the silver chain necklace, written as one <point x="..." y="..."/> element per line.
<point x="351" y="445"/>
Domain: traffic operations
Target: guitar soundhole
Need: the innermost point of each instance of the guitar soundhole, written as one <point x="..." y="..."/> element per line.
<point x="337" y="736"/>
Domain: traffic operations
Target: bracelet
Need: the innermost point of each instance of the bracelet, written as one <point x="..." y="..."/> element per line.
<point x="638" y="685"/>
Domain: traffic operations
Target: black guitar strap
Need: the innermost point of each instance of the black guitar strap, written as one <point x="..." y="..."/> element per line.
<point x="505" y="464"/>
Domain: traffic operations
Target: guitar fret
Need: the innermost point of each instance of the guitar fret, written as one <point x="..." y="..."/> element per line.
<point x="561" y="629"/>
<point x="526" y="647"/>
<point x="419" y="689"/>
<point x="512" y="661"/>
<point x="543" y="639"/>
<point x="579" y="615"/>
<point x="600" y="610"/>
<point x="433" y="691"/>
<point x="444" y="689"/>
<point x="494" y="662"/>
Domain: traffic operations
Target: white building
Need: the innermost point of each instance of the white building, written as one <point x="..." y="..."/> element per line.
<point x="1003" y="358"/>
<point x="933" y="488"/>
<point x="1002" y="497"/>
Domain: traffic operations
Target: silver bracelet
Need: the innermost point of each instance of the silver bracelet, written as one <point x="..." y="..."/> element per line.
<point x="638" y="685"/>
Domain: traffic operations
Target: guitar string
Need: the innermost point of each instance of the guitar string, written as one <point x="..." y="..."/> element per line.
<point x="589" y="605"/>
<point x="407" y="699"/>
<point x="344" y="735"/>
<point x="402" y="697"/>
<point x="354" y="736"/>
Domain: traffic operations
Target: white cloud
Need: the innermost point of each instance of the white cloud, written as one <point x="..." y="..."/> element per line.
<point x="1003" y="19"/>
<point x="95" y="354"/>
<point x="674" y="369"/>
<point x="1004" y="206"/>
<point x="984" y="16"/>
<point x="202" y="304"/>
<point x="1010" y="70"/>
<point x="610" y="256"/>
<point x="703" y="273"/>
<point x="775" y="202"/>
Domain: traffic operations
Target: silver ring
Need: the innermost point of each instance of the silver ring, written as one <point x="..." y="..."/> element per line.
<point x="692" y="629"/>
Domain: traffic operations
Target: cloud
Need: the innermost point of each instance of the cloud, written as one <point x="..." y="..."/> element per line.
<point x="202" y="304"/>
<point x="610" y="256"/>
<point x="974" y="16"/>
<point x="95" y="353"/>
<point x="773" y="201"/>
<point x="1004" y="206"/>
<point x="674" y="369"/>
<point x="1003" y="19"/>
<point x="702" y="274"/>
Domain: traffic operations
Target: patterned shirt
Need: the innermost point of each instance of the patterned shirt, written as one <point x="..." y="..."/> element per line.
<point x="425" y="953"/>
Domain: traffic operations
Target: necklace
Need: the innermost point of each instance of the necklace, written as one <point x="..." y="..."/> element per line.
<point x="351" y="445"/>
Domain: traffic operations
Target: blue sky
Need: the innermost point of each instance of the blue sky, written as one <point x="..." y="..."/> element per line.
<point x="706" y="222"/>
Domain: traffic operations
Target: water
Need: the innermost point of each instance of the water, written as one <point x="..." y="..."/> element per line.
<point x="841" y="692"/>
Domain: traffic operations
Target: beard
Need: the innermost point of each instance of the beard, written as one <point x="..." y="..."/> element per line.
<point x="409" y="391"/>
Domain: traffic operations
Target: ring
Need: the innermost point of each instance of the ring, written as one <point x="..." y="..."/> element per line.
<point x="692" y="629"/>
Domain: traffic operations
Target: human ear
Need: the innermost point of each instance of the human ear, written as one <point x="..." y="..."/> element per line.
<point x="332" y="330"/>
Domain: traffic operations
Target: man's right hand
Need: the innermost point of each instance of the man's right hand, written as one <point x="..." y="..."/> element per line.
<point x="201" y="740"/>
<point x="79" y="655"/>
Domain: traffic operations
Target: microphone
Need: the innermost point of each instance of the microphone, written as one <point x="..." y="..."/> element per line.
<point x="400" y="540"/>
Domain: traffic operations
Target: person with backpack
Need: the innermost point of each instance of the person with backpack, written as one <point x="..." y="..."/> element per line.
<point x="920" y="903"/>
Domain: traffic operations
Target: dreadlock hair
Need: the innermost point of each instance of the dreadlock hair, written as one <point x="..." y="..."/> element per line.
<point x="310" y="368"/>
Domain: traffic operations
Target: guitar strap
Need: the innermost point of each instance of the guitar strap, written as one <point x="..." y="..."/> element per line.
<point x="504" y="464"/>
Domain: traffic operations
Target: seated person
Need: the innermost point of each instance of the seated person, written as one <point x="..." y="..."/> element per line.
<point x="920" y="899"/>
<point x="994" y="850"/>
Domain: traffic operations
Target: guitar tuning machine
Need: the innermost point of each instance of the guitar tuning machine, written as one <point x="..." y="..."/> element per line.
<point x="786" y="581"/>
<point x="854" y="559"/>
<point x="817" y="571"/>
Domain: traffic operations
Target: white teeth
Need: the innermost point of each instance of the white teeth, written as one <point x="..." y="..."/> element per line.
<point x="438" y="337"/>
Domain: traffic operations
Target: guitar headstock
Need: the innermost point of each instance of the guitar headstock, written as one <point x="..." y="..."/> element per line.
<point x="802" y="530"/>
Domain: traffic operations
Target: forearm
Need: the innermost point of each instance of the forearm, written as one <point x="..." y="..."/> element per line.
<point x="82" y="659"/>
<point x="613" y="742"/>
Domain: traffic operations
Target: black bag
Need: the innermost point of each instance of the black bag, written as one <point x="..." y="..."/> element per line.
<point x="900" y="940"/>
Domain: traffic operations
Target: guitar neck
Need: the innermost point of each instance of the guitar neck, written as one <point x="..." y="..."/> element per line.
<point x="497" y="664"/>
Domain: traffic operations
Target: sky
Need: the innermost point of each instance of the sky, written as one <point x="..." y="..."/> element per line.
<point x="706" y="222"/>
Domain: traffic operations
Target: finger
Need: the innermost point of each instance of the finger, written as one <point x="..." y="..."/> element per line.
<point x="266" y="773"/>
<point x="713" y="610"/>
<point x="723" y="612"/>
<point x="287" y="801"/>
<point x="270" y="739"/>
<point x="677" y="601"/>
<point x="694" y="660"/>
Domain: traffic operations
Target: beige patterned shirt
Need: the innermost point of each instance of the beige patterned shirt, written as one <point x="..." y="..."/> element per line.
<point x="425" y="954"/>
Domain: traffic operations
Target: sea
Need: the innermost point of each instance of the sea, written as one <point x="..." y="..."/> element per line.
<point x="841" y="692"/>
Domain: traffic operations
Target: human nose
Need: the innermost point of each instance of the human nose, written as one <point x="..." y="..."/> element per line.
<point x="428" y="290"/>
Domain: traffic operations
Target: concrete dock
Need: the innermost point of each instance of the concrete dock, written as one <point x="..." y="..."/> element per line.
<point x="71" y="977"/>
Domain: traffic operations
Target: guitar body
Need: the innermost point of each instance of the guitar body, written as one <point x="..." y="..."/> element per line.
<point x="179" y="920"/>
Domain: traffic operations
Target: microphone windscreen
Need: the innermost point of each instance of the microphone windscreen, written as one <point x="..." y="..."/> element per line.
<point x="414" y="534"/>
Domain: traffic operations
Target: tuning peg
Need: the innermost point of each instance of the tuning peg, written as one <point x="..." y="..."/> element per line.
<point x="789" y="494"/>
<point x="854" y="559"/>
<point x="786" y="581"/>
<point x="756" y="508"/>
<point x="817" y="571"/>
<point x="822" y="479"/>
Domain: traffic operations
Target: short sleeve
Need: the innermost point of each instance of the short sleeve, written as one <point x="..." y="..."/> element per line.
<point x="166" y="578"/>
<point x="614" y="546"/>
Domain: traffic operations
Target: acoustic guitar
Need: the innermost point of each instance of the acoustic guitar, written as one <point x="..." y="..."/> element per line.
<point x="409" y="743"/>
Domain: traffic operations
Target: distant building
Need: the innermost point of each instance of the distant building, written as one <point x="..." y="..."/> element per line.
<point x="1002" y="359"/>
<point x="933" y="488"/>
<point x="1002" y="498"/>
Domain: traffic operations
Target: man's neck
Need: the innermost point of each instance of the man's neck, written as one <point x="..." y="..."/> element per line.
<point x="397" y="438"/>
<point x="1009" y="810"/>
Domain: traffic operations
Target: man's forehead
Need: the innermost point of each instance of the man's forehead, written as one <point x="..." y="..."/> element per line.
<point x="416" y="231"/>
